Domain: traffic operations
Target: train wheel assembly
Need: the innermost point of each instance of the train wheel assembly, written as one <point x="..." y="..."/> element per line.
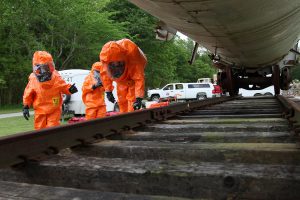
<point x="227" y="82"/>
<point x="285" y="78"/>
<point x="276" y="79"/>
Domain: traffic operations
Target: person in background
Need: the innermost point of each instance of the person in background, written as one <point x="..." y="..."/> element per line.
<point x="44" y="92"/>
<point x="93" y="93"/>
<point x="124" y="62"/>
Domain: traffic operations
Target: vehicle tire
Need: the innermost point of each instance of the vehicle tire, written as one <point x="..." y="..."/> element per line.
<point x="257" y="94"/>
<point x="268" y="94"/>
<point x="116" y="107"/>
<point x="155" y="97"/>
<point x="201" y="96"/>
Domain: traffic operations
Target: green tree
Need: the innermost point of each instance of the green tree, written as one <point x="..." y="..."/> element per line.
<point x="295" y="71"/>
<point x="72" y="31"/>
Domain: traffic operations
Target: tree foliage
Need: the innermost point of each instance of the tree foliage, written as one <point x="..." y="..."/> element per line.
<point x="74" y="33"/>
<point x="295" y="72"/>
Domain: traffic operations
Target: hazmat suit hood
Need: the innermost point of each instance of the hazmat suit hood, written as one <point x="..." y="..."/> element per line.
<point x="97" y="66"/>
<point x="42" y="65"/>
<point x="113" y="57"/>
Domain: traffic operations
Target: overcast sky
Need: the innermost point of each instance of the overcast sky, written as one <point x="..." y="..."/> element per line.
<point x="181" y="35"/>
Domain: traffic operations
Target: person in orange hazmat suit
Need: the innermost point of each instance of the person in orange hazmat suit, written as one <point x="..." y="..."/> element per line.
<point x="124" y="62"/>
<point x="44" y="91"/>
<point x="93" y="93"/>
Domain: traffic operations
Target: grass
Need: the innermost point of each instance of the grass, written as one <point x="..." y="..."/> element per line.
<point x="13" y="125"/>
<point x="10" y="109"/>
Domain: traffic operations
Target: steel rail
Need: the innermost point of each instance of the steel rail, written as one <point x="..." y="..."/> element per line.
<point x="291" y="112"/>
<point x="35" y="145"/>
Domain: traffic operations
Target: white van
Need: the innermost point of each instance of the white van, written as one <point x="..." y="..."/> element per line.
<point x="184" y="91"/>
<point x="75" y="104"/>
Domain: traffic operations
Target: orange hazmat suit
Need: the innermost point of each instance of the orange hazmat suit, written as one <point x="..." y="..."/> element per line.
<point x="130" y="79"/>
<point x="45" y="97"/>
<point x="93" y="94"/>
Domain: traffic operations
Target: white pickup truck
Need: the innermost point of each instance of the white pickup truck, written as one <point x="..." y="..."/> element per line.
<point x="184" y="91"/>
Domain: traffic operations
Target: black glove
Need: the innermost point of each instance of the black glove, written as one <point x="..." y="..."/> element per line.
<point x="73" y="89"/>
<point x="26" y="112"/>
<point x="138" y="103"/>
<point x="110" y="97"/>
<point x="98" y="84"/>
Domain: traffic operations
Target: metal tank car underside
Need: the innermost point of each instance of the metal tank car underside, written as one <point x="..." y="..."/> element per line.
<point x="251" y="38"/>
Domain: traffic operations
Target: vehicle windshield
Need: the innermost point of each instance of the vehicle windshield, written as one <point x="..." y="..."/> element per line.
<point x="168" y="87"/>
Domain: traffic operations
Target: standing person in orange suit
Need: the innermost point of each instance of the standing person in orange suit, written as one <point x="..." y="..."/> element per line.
<point x="124" y="62"/>
<point x="44" y="91"/>
<point x="93" y="93"/>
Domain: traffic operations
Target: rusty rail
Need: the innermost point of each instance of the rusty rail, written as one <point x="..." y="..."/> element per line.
<point x="21" y="147"/>
<point x="291" y="112"/>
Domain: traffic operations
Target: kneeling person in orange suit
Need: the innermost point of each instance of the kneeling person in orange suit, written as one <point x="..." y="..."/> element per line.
<point x="124" y="62"/>
<point x="44" y="92"/>
<point x="93" y="93"/>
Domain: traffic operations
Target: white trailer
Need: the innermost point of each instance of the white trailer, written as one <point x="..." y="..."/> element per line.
<point x="75" y="103"/>
<point x="269" y="91"/>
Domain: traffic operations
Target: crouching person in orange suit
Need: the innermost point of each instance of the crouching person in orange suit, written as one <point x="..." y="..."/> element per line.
<point x="93" y="93"/>
<point x="124" y="62"/>
<point x="44" y="91"/>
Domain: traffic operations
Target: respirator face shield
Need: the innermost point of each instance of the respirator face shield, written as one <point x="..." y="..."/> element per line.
<point x="43" y="72"/>
<point x="97" y="77"/>
<point x="116" y="69"/>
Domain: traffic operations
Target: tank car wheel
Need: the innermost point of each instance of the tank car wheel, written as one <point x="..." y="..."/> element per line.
<point x="285" y="78"/>
<point x="276" y="79"/>
<point x="230" y="85"/>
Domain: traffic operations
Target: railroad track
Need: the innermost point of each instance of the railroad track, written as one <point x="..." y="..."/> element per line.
<point x="226" y="148"/>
